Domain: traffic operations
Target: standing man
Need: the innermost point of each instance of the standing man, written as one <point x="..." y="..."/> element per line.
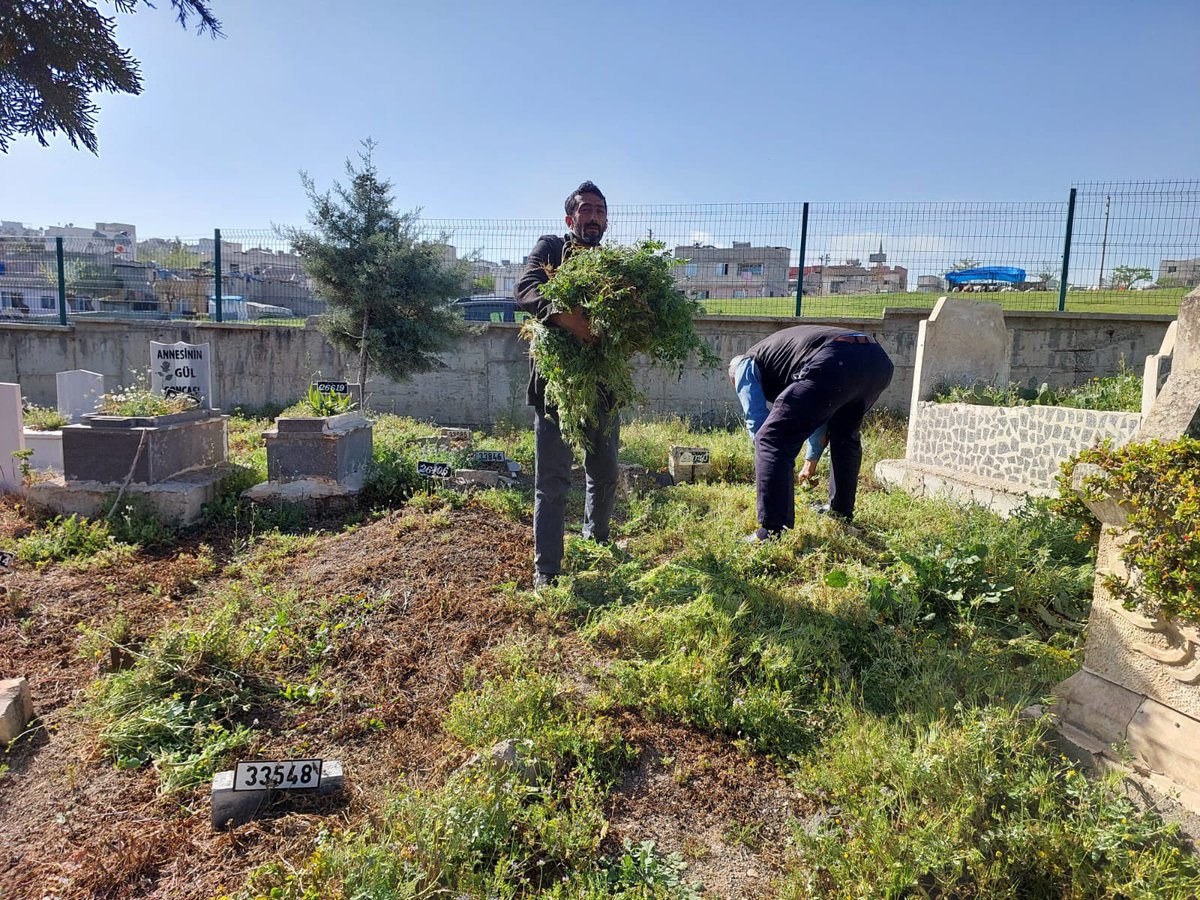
<point x="810" y="374"/>
<point x="587" y="219"/>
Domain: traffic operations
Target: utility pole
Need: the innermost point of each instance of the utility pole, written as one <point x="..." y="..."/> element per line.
<point x="1104" y="242"/>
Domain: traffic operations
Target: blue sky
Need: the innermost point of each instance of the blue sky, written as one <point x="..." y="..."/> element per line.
<point x="494" y="110"/>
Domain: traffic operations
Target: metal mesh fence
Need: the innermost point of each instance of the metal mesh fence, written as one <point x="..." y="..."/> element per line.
<point x="862" y="257"/>
<point x="29" y="280"/>
<point x="1134" y="247"/>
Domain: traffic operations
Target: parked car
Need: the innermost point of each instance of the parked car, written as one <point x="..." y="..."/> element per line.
<point x="490" y="309"/>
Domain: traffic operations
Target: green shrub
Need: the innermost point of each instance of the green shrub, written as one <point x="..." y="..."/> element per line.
<point x="135" y="521"/>
<point x="177" y="707"/>
<point x="319" y="404"/>
<point x="634" y="306"/>
<point x="973" y="807"/>
<point x="41" y="418"/>
<point x="140" y="401"/>
<point x="63" y="538"/>
<point x="1160" y="483"/>
<point x="1117" y="393"/>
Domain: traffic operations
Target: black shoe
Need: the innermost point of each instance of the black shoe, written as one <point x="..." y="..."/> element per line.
<point x="544" y="579"/>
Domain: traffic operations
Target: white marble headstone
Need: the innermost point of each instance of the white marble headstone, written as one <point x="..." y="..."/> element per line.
<point x="182" y="368"/>
<point x="12" y="436"/>
<point x="79" y="393"/>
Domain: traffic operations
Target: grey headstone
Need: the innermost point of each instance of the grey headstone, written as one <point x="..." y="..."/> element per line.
<point x="79" y="393"/>
<point x="12" y="436"/>
<point x="1176" y="410"/>
<point x="16" y="709"/>
<point x="182" y="368"/>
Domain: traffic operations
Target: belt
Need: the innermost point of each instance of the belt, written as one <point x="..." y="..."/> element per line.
<point x="856" y="339"/>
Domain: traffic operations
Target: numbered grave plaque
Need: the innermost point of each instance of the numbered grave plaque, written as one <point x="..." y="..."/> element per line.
<point x="428" y="469"/>
<point x="689" y="464"/>
<point x="277" y="775"/>
<point x="333" y="387"/>
<point x="490" y="456"/>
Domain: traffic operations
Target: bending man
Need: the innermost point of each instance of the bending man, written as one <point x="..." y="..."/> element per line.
<point x="811" y="374"/>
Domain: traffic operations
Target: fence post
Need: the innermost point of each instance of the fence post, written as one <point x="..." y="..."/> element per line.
<point x="803" y="249"/>
<point x="62" y="281"/>
<point x="1066" y="266"/>
<point x="217" y="271"/>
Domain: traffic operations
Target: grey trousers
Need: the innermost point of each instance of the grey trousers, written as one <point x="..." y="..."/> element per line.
<point x="552" y="478"/>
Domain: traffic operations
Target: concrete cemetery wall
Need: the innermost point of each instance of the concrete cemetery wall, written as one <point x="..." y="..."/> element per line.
<point x="484" y="379"/>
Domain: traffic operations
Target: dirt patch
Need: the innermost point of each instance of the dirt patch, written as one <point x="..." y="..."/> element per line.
<point x="427" y="588"/>
<point x="66" y="812"/>
<point x="724" y="811"/>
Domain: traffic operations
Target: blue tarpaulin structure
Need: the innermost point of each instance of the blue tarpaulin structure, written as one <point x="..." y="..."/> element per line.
<point x="1011" y="274"/>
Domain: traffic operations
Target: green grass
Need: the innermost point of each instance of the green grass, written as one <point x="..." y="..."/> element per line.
<point x="882" y="671"/>
<point x="871" y="306"/>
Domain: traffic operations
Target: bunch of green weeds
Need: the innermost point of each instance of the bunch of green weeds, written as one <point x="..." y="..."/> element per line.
<point x="633" y="306"/>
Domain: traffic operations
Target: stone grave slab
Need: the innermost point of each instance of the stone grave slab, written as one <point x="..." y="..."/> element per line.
<point x="1135" y="705"/>
<point x="12" y="437"/>
<point x="79" y="392"/>
<point x="182" y="368"/>
<point x="689" y="464"/>
<point x="16" y="709"/>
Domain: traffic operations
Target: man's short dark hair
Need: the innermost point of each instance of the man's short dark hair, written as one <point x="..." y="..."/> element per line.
<point x="587" y="187"/>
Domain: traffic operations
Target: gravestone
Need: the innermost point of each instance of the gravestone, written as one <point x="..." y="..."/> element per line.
<point x="12" y="437"/>
<point x="1158" y="369"/>
<point x="963" y="342"/>
<point x="16" y="709"/>
<point x="79" y="393"/>
<point x="182" y="368"/>
<point x="689" y="464"/>
<point x="1136" y="700"/>
<point x="1176" y="411"/>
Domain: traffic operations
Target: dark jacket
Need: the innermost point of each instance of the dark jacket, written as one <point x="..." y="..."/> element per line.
<point x="547" y="255"/>
<point x="782" y="356"/>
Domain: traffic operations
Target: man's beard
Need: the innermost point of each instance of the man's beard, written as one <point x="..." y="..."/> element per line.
<point x="590" y="235"/>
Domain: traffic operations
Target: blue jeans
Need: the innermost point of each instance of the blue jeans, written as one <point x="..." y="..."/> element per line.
<point x="754" y="406"/>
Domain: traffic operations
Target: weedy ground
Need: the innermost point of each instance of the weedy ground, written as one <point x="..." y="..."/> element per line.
<point x="832" y="715"/>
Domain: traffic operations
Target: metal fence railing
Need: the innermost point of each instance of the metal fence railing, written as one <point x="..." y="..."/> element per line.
<point x="1119" y="247"/>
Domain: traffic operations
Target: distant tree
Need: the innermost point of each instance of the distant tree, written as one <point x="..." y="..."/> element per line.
<point x="84" y="276"/>
<point x="387" y="288"/>
<point x="1125" y="277"/>
<point x="966" y="262"/>
<point x="55" y="54"/>
<point x="483" y="284"/>
<point x="170" y="256"/>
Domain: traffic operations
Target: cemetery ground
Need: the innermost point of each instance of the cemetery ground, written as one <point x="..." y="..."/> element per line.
<point x="835" y="714"/>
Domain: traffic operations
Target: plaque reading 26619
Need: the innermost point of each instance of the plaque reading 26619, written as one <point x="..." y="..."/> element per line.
<point x="277" y="775"/>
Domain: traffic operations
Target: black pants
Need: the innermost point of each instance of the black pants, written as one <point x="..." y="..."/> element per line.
<point x="839" y="384"/>
<point x="552" y="480"/>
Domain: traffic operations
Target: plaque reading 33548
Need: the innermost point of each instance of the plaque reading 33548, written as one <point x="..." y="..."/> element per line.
<point x="277" y="775"/>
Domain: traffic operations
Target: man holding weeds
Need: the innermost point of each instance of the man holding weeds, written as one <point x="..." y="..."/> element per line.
<point x="587" y="219"/>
